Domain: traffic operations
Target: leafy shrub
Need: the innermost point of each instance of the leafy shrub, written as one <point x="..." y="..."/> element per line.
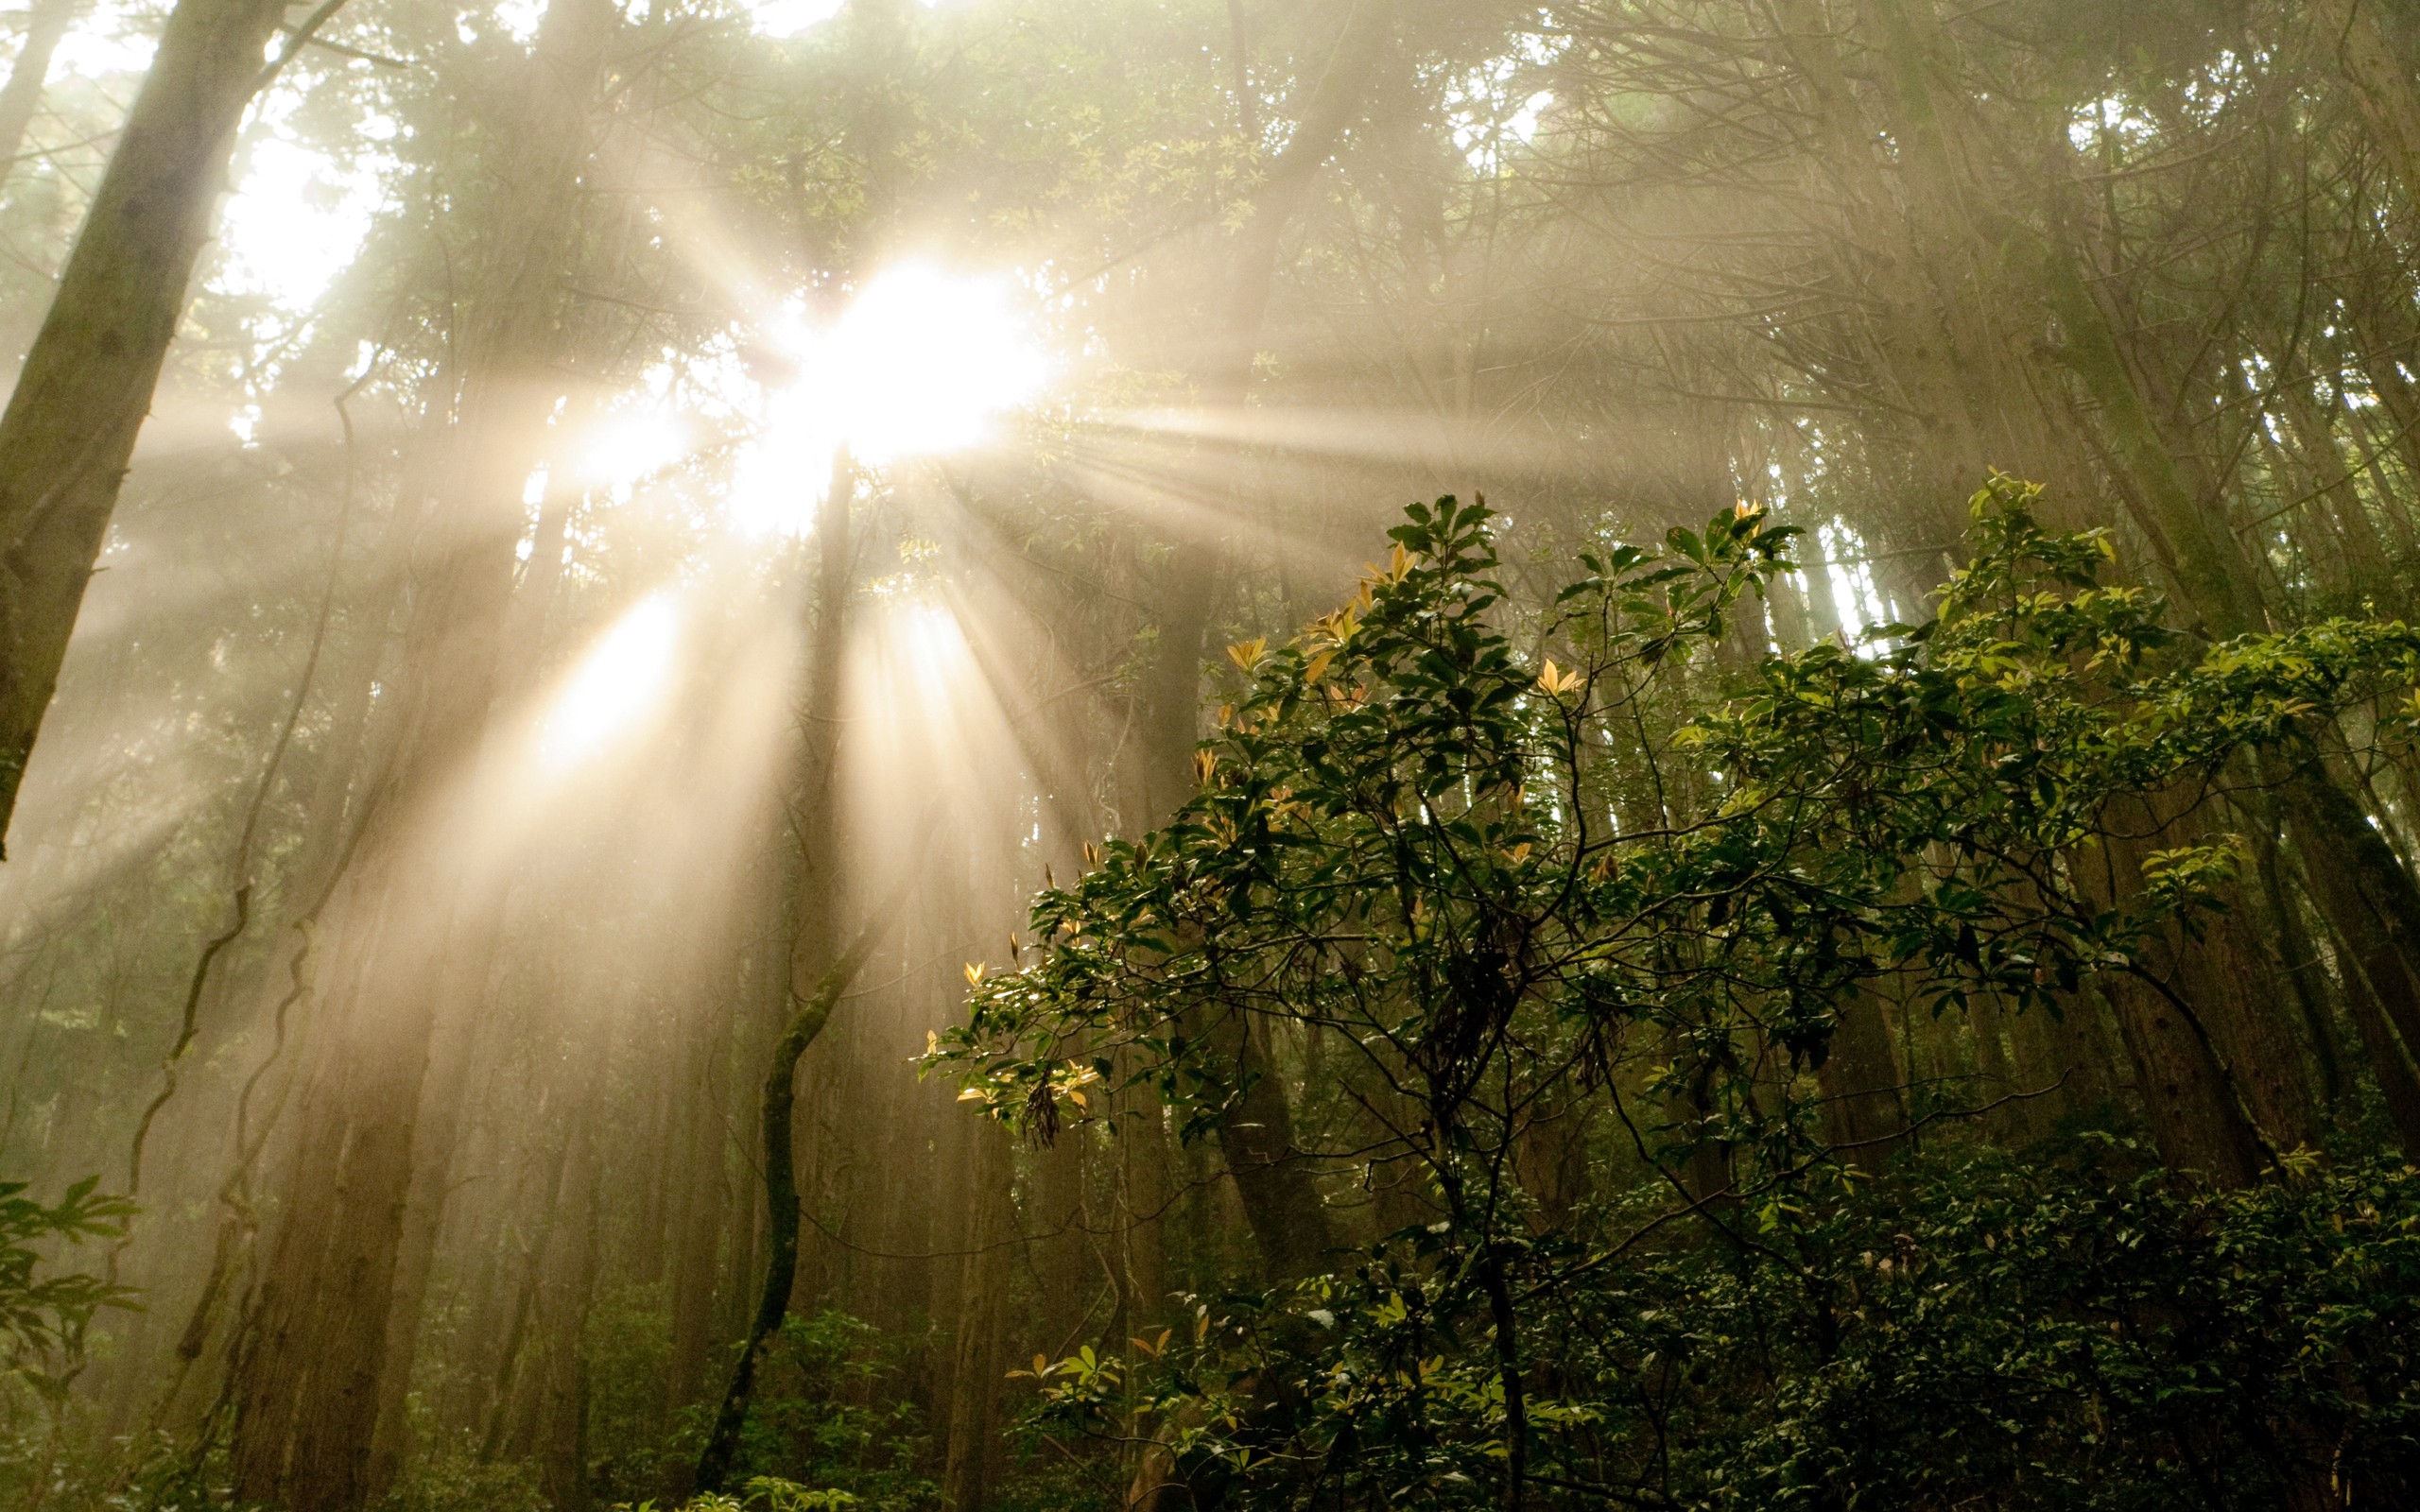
<point x="827" y="1421"/>
<point x="44" y="1314"/>
<point x="1974" y="1332"/>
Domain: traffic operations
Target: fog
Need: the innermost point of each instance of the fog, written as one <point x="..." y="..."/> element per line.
<point x="662" y="527"/>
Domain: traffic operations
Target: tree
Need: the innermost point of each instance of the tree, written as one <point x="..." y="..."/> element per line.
<point x="70" y="425"/>
<point x="1501" y="880"/>
<point x="43" y="1318"/>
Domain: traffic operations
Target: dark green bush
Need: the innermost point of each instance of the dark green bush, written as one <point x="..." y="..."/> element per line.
<point x="1974" y="1332"/>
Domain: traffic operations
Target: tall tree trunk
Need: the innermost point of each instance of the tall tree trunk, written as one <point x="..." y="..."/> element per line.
<point x="2365" y="895"/>
<point x="778" y="1106"/>
<point x="2371" y="901"/>
<point x="69" y="429"/>
<point x="564" y="1300"/>
<point x="1148" y="1186"/>
<point x="1256" y="1135"/>
<point x="1864" y="1114"/>
<point x="2220" y="1078"/>
<point x="1061" y="1251"/>
<point x="1288" y="1216"/>
<point x="307" y="1391"/>
<point x="306" y="1397"/>
<point x="696" y="1239"/>
<point x="454" y="1025"/>
<point x="974" y="1375"/>
<point x="46" y="25"/>
<point x="814" y="955"/>
<point x="474" y="939"/>
<point x="2380" y="72"/>
<point x="1332" y="98"/>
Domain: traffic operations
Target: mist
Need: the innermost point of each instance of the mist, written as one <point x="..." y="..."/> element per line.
<point x="1164" y="755"/>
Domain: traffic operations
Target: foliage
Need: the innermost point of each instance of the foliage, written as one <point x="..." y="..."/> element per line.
<point x="1488" y="872"/>
<point x="1624" y="868"/>
<point x="773" y="1494"/>
<point x="453" y="1477"/>
<point x="1981" y="1333"/>
<point x="44" y="1314"/>
<point x="827" y="1423"/>
<point x="625" y="1355"/>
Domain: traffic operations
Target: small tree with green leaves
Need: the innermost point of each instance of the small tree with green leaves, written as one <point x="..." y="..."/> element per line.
<point x="43" y="1311"/>
<point x="1503" y="858"/>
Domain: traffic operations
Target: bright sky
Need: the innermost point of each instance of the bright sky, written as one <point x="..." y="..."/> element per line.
<point x="296" y="221"/>
<point x="788" y="18"/>
<point x="113" y="37"/>
<point x="299" y="216"/>
<point x="782" y="19"/>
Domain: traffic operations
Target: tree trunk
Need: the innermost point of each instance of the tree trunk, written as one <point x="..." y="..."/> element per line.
<point x="1256" y="1135"/>
<point x="1864" y="1114"/>
<point x="307" y="1391"/>
<point x="1060" y="1248"/>
<point x="778" y="1106"/>
<point x="2380" y="74"/>
<point x="1331" y="100"/>
<point x="974" y="1376"/>
<point x="1288" y="1216"/>
<point x="46" y="25"/>
<point x="697" y="1241"/>
<point x="69" y="429"/>
<point x="462" y="993"/>
<point x="474" y="939"/>
<point x="813" y="950"/>
<point x="307" y="1395"/>
<point x="2365" y="895"/>
<point x="2220" y="1080"/>
<point x="564" y="1300"/>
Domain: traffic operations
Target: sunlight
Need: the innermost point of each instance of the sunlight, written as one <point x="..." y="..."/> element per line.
<point x="114" y="37"/>
<point x="922" y="363"/>
<point x="295" y="223"/>
<point x="620" y="450"/>
<point x="927" y="657"/>
<point x="299" y="214"/>
<point x="622" y="675"/>
<point x="521" y="19"/>
<point x="780" y="20"/>
<point x="928" y="735"/>
<point x="925" y="359"/>
<point x="784" y="19"/>
<point x="919" y="694"/>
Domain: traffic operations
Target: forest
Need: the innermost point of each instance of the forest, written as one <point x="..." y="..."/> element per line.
<point x="1166" y="755"/>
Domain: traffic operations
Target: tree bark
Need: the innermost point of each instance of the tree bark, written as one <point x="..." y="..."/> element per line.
<point x="2381" y="79"/>
<point x="70" y="426"/>
<point x="697" y="1240"/>
<point x="1863" y="1114"/>
<point x="974" y="1375"/>
<point x="1330" y="102"/>
<point x="2220" y="1080"/>
<point x="1282" y="1204"/>
<point x="307" y="1378"/>
<point x="2364" y="893"/>
<point x="813" y="949"/>
<point x="778" y="1106"/>
<point x="46" y="25"/>
<point x="1257" y="1135"/>
<point x="473" y="940"/>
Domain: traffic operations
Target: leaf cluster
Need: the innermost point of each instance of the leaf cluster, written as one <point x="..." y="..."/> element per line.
<point x="1618" y="860"/>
